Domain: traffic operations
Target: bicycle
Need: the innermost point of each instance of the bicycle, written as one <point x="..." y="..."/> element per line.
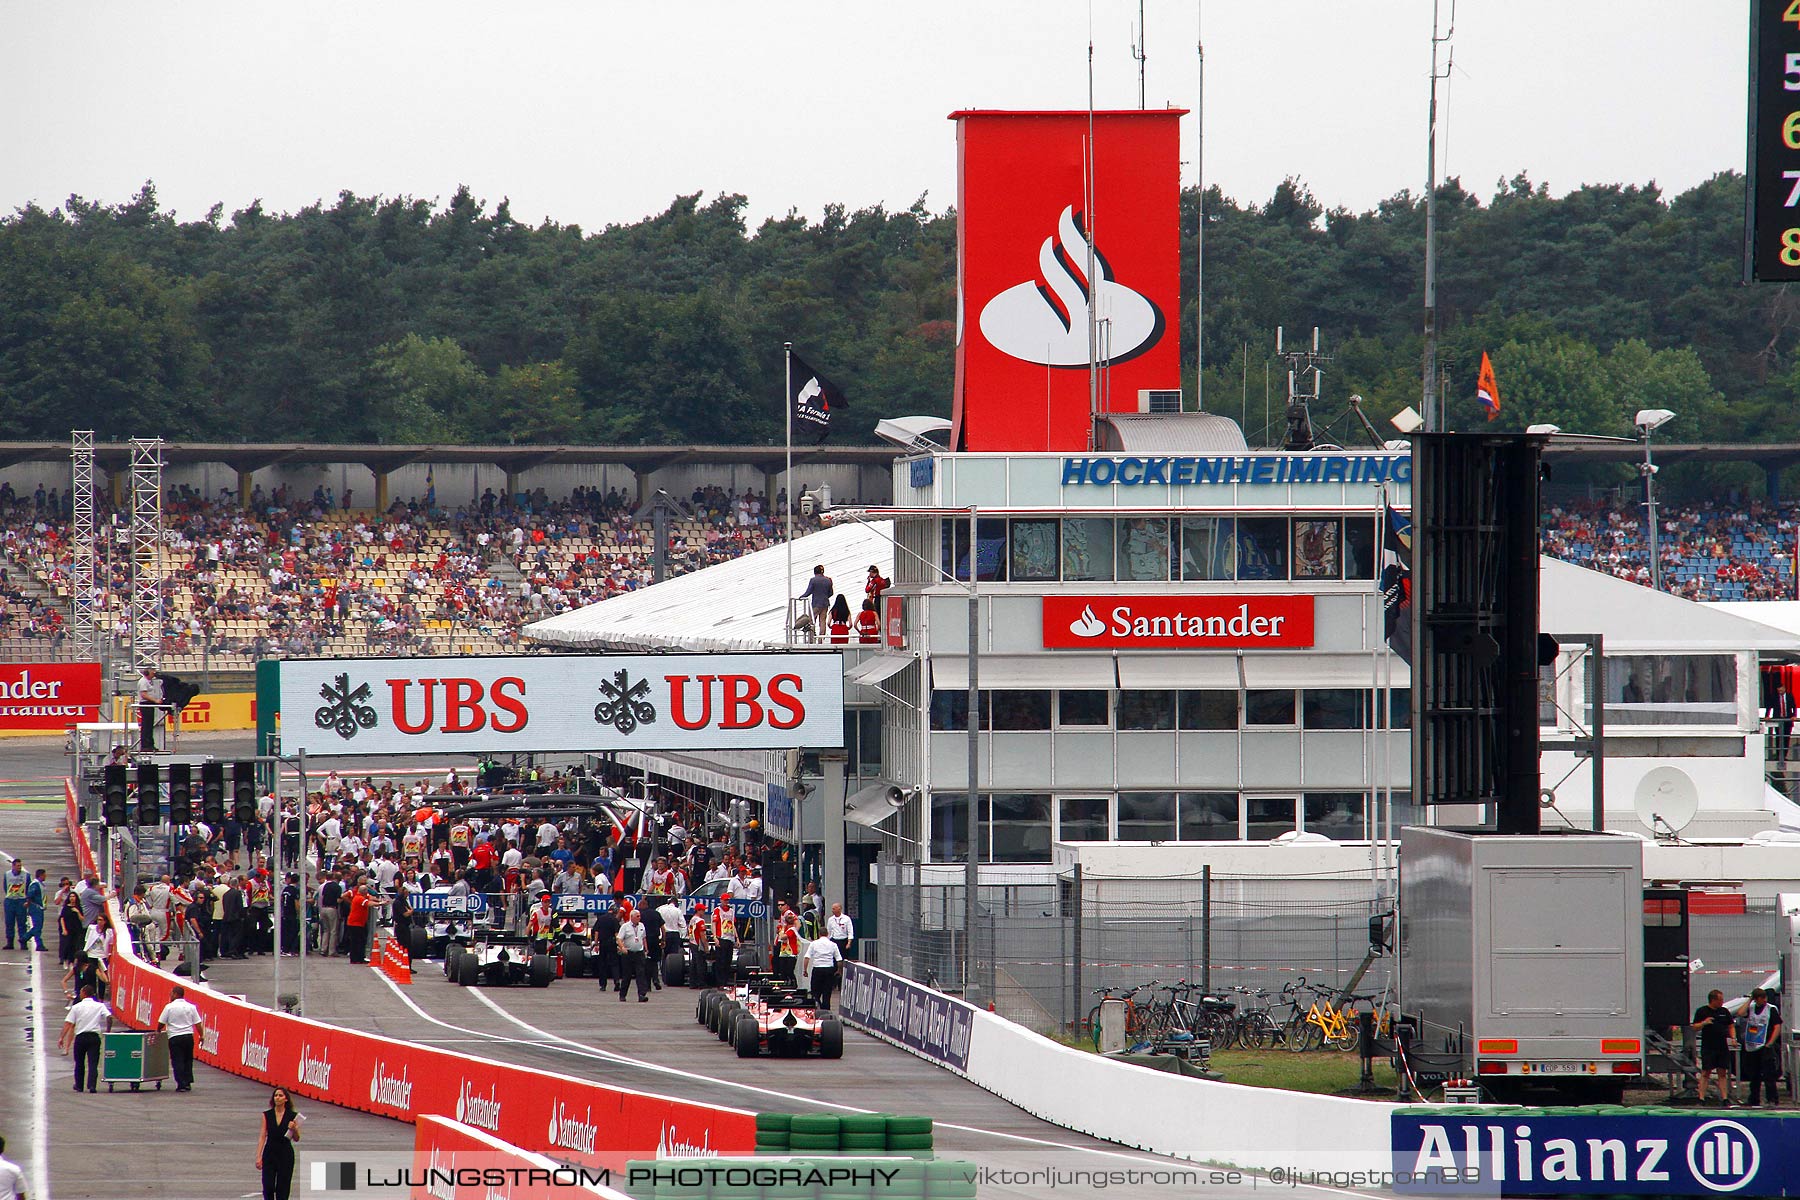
<point x="1137" y="1016"/>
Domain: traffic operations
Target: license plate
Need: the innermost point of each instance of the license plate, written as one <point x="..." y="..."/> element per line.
<point x="1558" y="1068"/>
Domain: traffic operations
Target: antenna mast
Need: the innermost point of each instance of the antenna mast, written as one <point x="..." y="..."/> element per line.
<point x="1087" y="214"/>
<point x="1200" y="230"/>
<point x="1431" y="408"/>
<point x="1138" y="52"/>
<point x="1305" y="381"/>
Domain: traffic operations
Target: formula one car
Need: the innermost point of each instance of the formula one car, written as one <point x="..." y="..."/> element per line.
<point x="440" y="919"/>
<point x="494" y="957"/>
<point x="765" y="1013"/>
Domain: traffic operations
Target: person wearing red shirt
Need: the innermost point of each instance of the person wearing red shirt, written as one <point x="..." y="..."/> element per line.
<point x="541" y="924"/>
<point x="356" y="925"/>
<point x="868" y="624"/>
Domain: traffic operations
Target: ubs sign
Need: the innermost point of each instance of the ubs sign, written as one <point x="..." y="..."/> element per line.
<point x="563" y="703"/>
<point x="1223" y="622"/>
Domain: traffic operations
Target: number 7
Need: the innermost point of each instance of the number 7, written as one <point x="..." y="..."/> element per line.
<point x="1793" y="196"/>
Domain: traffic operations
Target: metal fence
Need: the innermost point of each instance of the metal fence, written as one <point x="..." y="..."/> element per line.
<point x="1041" y="949"/>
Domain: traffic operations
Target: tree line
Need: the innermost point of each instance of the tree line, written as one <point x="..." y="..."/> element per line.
<point x="400" y="319"/>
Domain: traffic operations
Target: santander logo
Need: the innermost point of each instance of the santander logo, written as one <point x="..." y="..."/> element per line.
<point x="474" y="1109"/>
<point x="209" y="1039"/>
<point x="1044" y="320"/>
<point x="252" y="1053"/>
<point x="1087" y="625"/>
<point x="670" y="1144"/>
<point x="569" y="1132"/>
<point x="393" y="1090"/>
<point x="315" y="1070"/>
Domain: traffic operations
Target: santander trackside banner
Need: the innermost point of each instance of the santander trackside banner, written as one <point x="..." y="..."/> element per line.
<point x="562" y="702"/>
<point x="1177" y="622"/>
<point x="570" y="1119"/>
<point x="1025" y="233"/>
<point x="48" y="695"/>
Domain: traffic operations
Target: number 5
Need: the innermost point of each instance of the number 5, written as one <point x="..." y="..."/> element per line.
<point x="1792" y="81"/>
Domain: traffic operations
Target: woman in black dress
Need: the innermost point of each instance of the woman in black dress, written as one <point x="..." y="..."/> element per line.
<point x="71" y="935"/>
<point x="275" y="1145"/>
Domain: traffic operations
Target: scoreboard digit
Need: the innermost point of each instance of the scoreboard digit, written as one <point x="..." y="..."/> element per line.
<point x="1772" y="186"/>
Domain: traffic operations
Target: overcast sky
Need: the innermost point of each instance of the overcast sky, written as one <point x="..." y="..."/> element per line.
<point x="596" y="112"/>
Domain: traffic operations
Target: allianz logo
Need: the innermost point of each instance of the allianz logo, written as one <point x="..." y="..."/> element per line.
<point x="314" y="1071"/>
<point x="1723" y="1156"/>
<point x="252" y="1053"/>
<point x="669" y="1144"/>
<point x="474" y="1109"/>
<point x="570" y="1132"/>
<point x="394" y="1090"/>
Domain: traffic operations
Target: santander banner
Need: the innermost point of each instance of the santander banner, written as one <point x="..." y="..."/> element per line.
<point x="1177" y="622"/>
<point x="1025" y="234"/>
<point x="48" y="695"/>
<point x="562" y="703"/>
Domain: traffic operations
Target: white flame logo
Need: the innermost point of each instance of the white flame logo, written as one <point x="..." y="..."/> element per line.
<point x="1046" y="322"/>
<point x="1089" y="625"/>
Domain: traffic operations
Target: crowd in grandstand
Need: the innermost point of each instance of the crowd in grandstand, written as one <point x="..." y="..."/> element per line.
<point x="1715" y="551"/>
<point x="294" y="574"/>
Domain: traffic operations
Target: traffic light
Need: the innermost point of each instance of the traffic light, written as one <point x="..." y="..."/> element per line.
<point x="114" y="806"/>
<point x="212" y="794"/>
<point x="243" y="792"/>
<point x="149" y="781"/>
<point x="181" y="794"/>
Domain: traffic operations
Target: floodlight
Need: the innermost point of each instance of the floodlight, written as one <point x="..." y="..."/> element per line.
<point x="1649" y="419"/>
<point x="1546" y="427"/>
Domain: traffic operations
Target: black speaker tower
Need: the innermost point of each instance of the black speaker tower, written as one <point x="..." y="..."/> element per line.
<point x="1475" y="623"/>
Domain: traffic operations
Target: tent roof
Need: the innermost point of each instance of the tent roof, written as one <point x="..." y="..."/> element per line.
<point x="1634" y="618"/>
<point x="733" y="605"/>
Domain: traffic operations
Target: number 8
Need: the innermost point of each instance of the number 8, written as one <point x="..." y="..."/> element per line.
<point x="1790" y="248"/>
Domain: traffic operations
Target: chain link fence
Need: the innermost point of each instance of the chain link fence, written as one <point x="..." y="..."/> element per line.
<point x="1041" y="949"/>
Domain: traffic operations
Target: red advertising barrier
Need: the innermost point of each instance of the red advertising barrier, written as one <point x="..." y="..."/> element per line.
<point x="48" y="696"/>
<point x="455" y="1162"/>
<point x="574" y="1120"/>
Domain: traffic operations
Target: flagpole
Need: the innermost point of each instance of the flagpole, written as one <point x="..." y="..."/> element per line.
<point x="787" y="408"/>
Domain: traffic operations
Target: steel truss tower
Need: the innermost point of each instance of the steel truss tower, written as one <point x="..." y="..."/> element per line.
<point x="84" y="627"/>
<point x="146" y="554"/>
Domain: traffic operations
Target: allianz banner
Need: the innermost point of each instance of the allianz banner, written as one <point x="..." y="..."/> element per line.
<point x="1494" y="1152"/>
<point x="562" y="703"/>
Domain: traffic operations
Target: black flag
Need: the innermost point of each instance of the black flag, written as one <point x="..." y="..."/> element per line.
<point x="812" y="399"/>
<point x="1396" y="580"/>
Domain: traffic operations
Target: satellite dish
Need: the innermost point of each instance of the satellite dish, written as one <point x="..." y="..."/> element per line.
<point x="1666" y="800"/>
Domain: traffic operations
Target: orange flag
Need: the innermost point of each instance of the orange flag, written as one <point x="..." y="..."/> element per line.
<point x="1486" y="390"/>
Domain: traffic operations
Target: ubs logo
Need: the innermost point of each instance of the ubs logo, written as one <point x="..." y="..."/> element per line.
<point x="346" y="709"/>
<point x="624" y="707"/>
<point x="1723" y="1155"/>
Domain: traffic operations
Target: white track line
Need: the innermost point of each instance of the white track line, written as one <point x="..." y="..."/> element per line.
<point x="40" y="1092"/>
<point x="564" y="1045"/>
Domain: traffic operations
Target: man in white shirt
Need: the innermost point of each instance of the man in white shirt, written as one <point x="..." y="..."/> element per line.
<point x="330" y="833"/>
<point x="149" y="697"/>
<point x="822" y="959"/>
<point x="840" y="929"/>
<point x="81" y="1032"/>
<point x="183" y="1023"/>
<point x="547" y="834"/>
<point x="12" y="1179"/>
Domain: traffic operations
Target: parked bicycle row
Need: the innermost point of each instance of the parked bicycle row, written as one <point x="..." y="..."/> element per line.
<point x="1300" y="1016"/>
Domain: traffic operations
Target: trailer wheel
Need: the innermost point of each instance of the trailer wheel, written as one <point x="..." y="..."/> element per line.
<point x="543" y="970"/>
<point x="831" y="1039"/>
<point x="746" y="1037"/>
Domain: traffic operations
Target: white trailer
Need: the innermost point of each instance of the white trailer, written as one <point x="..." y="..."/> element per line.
<point x="1523" y="955"/>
